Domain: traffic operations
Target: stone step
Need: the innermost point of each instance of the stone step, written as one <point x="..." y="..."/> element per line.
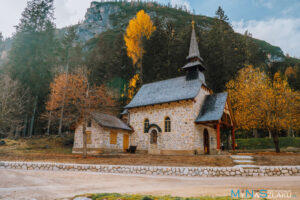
<point x="243" y="161"/>
<point x="242" y="157"/>
<point x="246" y="166"/>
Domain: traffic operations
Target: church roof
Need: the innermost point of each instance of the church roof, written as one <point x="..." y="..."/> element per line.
<point x="213" y="107"/>
<point x="170" y="90"/>
<point x="110" y="121"/>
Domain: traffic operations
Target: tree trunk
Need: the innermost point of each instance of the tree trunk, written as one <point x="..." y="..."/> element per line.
<point x="276" y="140"/>
<point x="270" y="134"/>
<point x="17" y="135"/>
<point x="63" y="103"/>
<point x="84" y="149"/>
<point x="291" y="132"/>
<point x="32" y="118"/>
<point x="61" y="117"/>
<point x="255" y="133"/>
<point x="25" y="126"/>
<point x="49" y="123"/>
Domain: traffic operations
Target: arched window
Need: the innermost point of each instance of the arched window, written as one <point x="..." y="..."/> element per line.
<point x="167" y="124"/>
<point x="146" y="125"/>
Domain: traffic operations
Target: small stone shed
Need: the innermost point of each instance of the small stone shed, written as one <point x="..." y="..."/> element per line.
<point x="105" y="133"/>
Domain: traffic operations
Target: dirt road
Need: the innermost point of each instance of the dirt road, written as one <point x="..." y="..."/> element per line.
<point x="44" y="185"/>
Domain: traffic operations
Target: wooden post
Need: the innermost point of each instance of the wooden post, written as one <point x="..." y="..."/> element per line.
<point x="233" y="138"/>
<point x="218" y="136"/>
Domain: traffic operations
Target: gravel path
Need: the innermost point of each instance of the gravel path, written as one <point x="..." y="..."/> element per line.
<point x="44" y="185"/>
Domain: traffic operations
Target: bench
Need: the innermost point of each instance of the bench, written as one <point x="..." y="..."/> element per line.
<point x="131" y="149"/>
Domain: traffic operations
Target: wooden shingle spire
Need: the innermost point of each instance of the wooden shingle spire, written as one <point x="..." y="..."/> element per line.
<point x="194" y="58"/>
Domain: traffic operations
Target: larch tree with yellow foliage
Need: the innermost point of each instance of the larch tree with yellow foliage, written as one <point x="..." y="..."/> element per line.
<point x="138" y="28"/>
<point x="258" y="102"/>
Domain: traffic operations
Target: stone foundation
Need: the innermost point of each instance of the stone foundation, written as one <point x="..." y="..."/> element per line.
<point x="158" y="170"/>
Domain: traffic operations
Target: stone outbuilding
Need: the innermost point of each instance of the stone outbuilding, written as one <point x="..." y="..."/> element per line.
<point x="105" y="133"/>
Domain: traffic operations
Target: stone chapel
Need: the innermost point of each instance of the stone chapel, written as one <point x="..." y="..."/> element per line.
<point x="177" y="116"/>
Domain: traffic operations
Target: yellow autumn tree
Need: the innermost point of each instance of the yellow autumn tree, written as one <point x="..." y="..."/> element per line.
<point x="138" y="28"/>
<point x="258" y="102"/>
<point x="245" y="93"/>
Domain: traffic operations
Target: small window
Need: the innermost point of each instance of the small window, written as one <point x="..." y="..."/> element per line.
<point x="89" y="123"/>
<point x="146" y="125"/>
<point x="88" y="137"/>
<point x="167" y="124"/>
<point x="113" y="137"/>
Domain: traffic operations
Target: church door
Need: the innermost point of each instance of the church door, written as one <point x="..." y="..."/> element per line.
<point x="153" y="147"/>
<point x="206" y="141"/>
<point x="153" y="137"/>
<point x="125" y="142"/>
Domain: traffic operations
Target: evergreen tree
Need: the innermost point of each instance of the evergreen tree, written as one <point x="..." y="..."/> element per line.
<point x="221" y="55"/>
<point x="1" y="38"/>
<point x="33" y="51"/>
<point x="165" y="52"/>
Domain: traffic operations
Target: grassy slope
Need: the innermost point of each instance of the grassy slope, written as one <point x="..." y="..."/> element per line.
<point x="45" y="144"/>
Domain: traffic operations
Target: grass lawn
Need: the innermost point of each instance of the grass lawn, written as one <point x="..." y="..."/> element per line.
<point x="56" y="149"/>
<point x="116" y="196"/>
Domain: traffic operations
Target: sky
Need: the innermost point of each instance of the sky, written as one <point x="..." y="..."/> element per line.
<point x="275" y="21"/>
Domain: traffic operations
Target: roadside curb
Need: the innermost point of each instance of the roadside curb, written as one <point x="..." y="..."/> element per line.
<point x="158" y="170"/>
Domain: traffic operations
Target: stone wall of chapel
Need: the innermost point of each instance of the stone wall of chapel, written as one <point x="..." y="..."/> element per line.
<point x="184" y="135"/>
<point x="182" y="125"/>
<point x="199" y="139"/>
<point x="198" y="132"/>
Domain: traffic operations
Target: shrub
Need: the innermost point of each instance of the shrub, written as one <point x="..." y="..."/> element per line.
<point x="267" y="143"/>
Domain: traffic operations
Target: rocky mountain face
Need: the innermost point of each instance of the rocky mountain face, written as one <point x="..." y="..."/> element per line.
<point x="96" y="20"/>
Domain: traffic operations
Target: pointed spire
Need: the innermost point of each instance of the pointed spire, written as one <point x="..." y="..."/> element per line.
<point x="194" y="50"/>
<point x="194" y="58"/>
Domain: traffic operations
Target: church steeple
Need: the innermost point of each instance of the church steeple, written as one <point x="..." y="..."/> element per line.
<point x="194" y="68"/>
<point x="194" y="50"/>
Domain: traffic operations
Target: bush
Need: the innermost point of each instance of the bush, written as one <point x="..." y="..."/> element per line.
<point x="267" y="143"/>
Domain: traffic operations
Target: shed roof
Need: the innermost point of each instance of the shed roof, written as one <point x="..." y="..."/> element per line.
<point x="110" y="121"/>
<point x="170" y="90"/>
<point x="213" y="107"/>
